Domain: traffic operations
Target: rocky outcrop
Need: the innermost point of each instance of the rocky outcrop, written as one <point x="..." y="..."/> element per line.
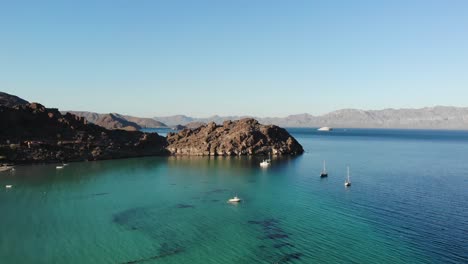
<point x="32" y="133"/>
<point x="242" y="137"/>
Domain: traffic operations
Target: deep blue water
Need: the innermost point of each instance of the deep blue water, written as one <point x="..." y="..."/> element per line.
<point x="408" y="203"/>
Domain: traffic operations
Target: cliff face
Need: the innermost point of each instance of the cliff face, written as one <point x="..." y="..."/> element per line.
<point x="32" y="133"/>
<point x="242" y="137"/>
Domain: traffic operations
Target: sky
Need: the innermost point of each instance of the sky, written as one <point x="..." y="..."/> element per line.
<point x="244" y="57"/>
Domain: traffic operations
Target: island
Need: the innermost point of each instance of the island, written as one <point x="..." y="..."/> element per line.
<point x="233" y="138"/>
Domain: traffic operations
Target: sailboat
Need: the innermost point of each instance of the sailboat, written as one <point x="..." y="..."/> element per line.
<point x="347" y="182"/>
<point x="324" y="172"/>
<point x="265" y="163"/>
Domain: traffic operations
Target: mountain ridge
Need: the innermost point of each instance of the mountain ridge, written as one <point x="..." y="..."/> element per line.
<point x="434" y="117"/>
<point x="118" y="121"/>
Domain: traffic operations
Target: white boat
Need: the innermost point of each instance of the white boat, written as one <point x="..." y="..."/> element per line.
<point x="324" y="172"/>
<point x="59" y="167"/>
<point x="8" y="186"/>
<point x="6" y="168"/>
<point x="65" y="164"/>
<point x="347" y="182"/>
<point x="266" y="162"/>
<point x="325" y="129"/>
<point x="235" y="199"/>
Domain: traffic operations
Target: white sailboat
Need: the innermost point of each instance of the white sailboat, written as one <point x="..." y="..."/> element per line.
<point x="324" y="172"/>
<point x="347" y="182"/>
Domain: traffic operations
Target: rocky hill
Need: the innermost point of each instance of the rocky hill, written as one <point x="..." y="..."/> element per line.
<point x="242" y="137"/>
<point x="33" y="133"/>
<point x="175" y="120"/>
<point x="118" y="121"/>
<point x="112" y="121"/>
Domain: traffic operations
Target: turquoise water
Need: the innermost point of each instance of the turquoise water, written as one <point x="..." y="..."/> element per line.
<point x="408" y="204"/>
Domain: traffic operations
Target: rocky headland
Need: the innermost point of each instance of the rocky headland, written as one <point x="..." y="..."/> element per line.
<point x="32" y="133"/>
<point x="233" y="138"/>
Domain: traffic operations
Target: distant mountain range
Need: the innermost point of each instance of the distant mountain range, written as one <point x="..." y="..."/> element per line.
<point x="439" y="117"/>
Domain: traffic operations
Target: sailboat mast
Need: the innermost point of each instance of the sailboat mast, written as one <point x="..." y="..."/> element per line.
<point x="348" y="173"/>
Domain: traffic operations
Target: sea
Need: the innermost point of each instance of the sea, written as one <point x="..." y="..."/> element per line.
<point x="408" y="203"/>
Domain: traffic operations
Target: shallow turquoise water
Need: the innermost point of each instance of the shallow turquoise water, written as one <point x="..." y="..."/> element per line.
<point x="408" y="204"/>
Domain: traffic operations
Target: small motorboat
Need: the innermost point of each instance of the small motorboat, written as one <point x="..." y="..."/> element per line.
<point x="8" y="186"/>
<point x="325" y="129"/>
<point x="265" y="163"/>
<point x="235" y="200"/>
<point x="59" y="167"/>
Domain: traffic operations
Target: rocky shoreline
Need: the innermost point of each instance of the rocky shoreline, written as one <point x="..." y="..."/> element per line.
<point x="32" y="133"/>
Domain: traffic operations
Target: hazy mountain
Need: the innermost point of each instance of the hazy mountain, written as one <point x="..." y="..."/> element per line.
<point x="118" y="121"/>
<point x="143" y="121"/>
<point x="175" y="120"/>
<point x="439" y="117"/>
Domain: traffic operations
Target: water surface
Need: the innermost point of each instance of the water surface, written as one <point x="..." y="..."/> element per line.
<point x="407" y="204"/>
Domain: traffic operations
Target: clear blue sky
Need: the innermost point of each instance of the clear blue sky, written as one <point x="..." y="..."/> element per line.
<point x="263" y="58"/>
